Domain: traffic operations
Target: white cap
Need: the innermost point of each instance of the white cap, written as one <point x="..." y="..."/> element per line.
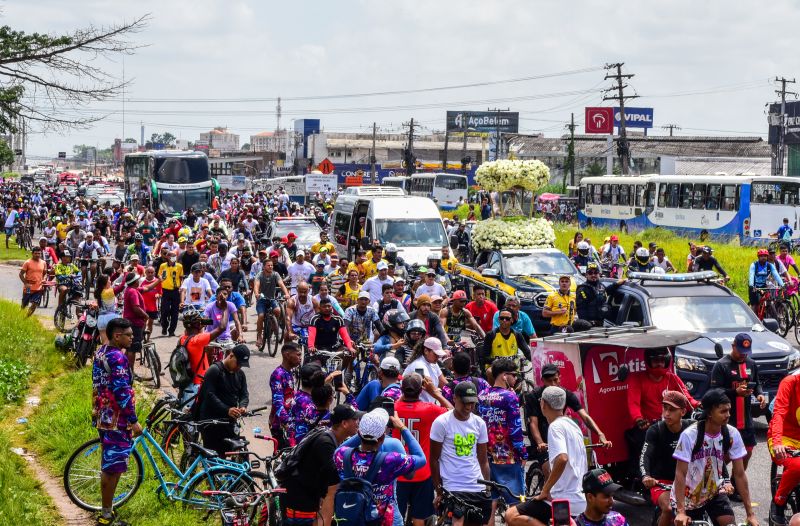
<point x="390" y="363"/>
<point x="435" y="345"/>
<point x="364" y="294"/>
<point x="382" y="266"/>
<point x="300" y="253"/>
<point x="373" y="424"/>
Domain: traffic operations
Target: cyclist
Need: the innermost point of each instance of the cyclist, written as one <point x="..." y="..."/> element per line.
<point x="390" y="342"/>
<point x="48" y="254"/>
<point x="455" y="318"/>
<point x="582" y="256"/>
<point x="282" y="384"/>
<point x="641" y="261"/>
<point x="783" y="437"/>
<point x="425" y="362"/>
<point x="598" y="489"/>
<point x="706" y="261"/>
<point x="660" y="260"/>
<point x="362" y="320"/>
<point x="787" y="260"/>
<point x="656" y="465"/>
<point x="613" y="253"/>
<point x="68" y="275"/>
<point x="89" y="251"/>
<point x="760" y="271"/>
<point x="387" y="385"/>
<point x="779" y="266"/>
<point x="138" y="247"/>
<point x="482" y="309"/>
<point x="195" y="339"/>
<point x="503" y="341"/>
<point x="195" y="290"/>
<point x="591" y="297"/>
<point x="413" y="340"/>
<point x="784" y="232"/>
<point x="265" y="288"/>
<point x="300" y="309"/>
<point x="327" y="331"/>
<point x="699" y="474"/>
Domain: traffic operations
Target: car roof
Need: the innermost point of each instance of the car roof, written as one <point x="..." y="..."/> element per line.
<point x="664" y="289"/>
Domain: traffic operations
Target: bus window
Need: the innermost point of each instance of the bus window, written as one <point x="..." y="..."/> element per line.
<point x="673" y="195"/>
<point x="451" y="182"/>
<point x="588" y="193"/>
<point x="615" y="188"/>
<point x="699" y="197"/>
<point x="729" y="198"/>
<point x="341" y="228"/>
<point x="606" y="196"/>
<point x="597" y="189"/>
<point x="624" y="195"/>
<point x="712" y="197"/>
<point x="582" y="195"/>
<point x="640" y="195"/>
<point x="686" y="195"/>
<point x="650" y="197"/>
<point x="662" y="195"/>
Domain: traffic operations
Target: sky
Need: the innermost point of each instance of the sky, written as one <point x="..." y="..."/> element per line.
<point x="707" y="66"/>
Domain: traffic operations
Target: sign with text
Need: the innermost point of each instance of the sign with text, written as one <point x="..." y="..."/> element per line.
<point x="635" y="117"/>
<point x="792" y="123"/>
<point x="599" y="120"/>
<point x="321" y="183"/>
<point x="484" y="121"/>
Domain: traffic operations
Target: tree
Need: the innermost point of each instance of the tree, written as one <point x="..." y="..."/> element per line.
<point x="595" y="169"/>
<point x="6" y="154"/>
<point x="166" y="138"/>
<point x="130" y="139"/>
<point x="58" y="74"/>
<point x="246" y="147"/>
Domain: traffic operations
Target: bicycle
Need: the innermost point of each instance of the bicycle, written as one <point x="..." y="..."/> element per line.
<point x="793" y="500"/>
<point x="356" y="376"/>
<point x="772" y="304"/>
<point x="67" y="315"/>
<point x="23" y="234"/>
<point x="46" y="286"/>
<point x="502" y="505"/>
<point x="148" y="358"/>
<point x="272" y="332"/>
<point x="207" y="471"/>
<point x="236" y="505"/>
<point x="449" y="504"/>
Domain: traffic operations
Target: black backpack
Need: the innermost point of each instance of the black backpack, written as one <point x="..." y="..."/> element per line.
<point x="180" y="367"/>
<point x="289" y="465"/>
<point x="354" y="502"/>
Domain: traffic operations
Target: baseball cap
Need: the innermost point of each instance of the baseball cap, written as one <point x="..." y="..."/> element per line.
<point x="274" y="254"/>
<point x="459" y="295"/>
<point x="134" y="257"/>
<point x="555" y="397"/>
<point x="364" y="294"/>
<point x="743" y="343"/>
<point x="382" y="266"/>
<point x="675" y="399"/>
<point x="242" y="353"/>
<point x="284" y="240"/>
<point x="320" y="263"/>
<point x="549" y="370"/>
<point x="430" y="272"/>
<point x="411" y="385"/>
<point x="467" y="392"/>
<point x="390" y="363"/>
<point x="597" y="480"/>
<point x="343" y="412"/>
<point x="435" y="345"/>
<point x="373" y="424"/>
<point x="291" y="235"/>
<point x="300" y="253"/>
<point x="436" y="298"/>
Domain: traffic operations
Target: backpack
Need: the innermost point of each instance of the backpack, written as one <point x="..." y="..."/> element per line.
<point x="180" y="368"/>
<point x="354" y="503"/>
<point x="289" y="465"/>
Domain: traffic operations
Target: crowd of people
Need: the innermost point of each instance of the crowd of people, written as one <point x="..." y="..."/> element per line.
<point x="443" y="411"/>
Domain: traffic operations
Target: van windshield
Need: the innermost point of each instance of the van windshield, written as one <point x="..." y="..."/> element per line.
<point x="411" y="232"/>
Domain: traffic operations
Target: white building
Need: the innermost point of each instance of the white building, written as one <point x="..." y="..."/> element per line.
<point x="182" y="144"/>
<point x="268" y="141"/>
<point x="220" y="139"/>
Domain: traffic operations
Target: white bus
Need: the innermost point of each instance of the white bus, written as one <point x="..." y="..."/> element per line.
<point x="397" y="181"/>
<point x="445" y="189"/>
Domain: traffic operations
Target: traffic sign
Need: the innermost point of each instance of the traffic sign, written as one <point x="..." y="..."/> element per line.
<point x="62" y="155"/>
<point x="599" y="120"/>
<point x="326" y="166"/>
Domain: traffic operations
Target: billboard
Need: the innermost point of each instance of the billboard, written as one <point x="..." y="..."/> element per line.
<point x="792" y="123"/>
<point x="320" y="182"/>
<point x="635" y="117"/>
<point x="484" y="121"/>
<point x="599" y="120"/>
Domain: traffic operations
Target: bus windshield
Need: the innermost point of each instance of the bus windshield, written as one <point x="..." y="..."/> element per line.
<point x="178" y="170"/>
<point x="776" y="193"/>
<point x="178" y="201"/>
<point x="411" y="232"/>
<point x="451" y="182"/>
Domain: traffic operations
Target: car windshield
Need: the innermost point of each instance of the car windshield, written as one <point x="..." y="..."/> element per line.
<point x="702" y="313"/>
<point x="176" y="201"/>
<point x="307" y="232"/>
<point x="411" y="232"/>
<point x="538" y="263"/>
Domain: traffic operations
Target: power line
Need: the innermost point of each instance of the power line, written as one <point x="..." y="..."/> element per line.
<point x="622" y="143"/>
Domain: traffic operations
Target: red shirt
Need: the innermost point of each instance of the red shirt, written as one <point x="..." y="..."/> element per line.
<point x="645" y="395"/>
<point x="132" y="298"/>
<point x="484" y="314"/>
<point x="150" y="303"/>
<point x="418" y="417"/>
<point x="197" y="355"/>
<point x="784" y="428"/>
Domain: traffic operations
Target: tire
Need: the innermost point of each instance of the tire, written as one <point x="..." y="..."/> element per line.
<point x="153" y="363"/>
<point x="534" y="479"/>
<point x="84" y="350"/>
<point x="82" y="477"/>
<point x="60" y="317"/>
<point x="780" y="312"/>
<point x="45" y="298"/>
<point x="216" y="478"/>
<point x="266" y="335"/>
<point x="175" y="445"/>
<point x="271" y="340"/>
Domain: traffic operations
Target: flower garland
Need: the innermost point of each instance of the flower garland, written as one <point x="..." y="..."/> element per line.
<point x="508" y="174"/>
<point x="499" y="234"/>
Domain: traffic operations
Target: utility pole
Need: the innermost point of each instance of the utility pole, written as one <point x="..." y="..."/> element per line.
<point x="623" y="150"/>
<point x="498" y="148"/>
<point x="409" y="153"/>
<point x="670" y="127"/>
<point x="373" y="175"/>
<point x="571" y="151"/>
<point x="782" y="132"/>
<point x="446" y="140"/>
<point x="464" y="159"/>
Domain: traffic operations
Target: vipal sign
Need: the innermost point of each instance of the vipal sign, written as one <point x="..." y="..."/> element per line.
<point x="635" y="117"/>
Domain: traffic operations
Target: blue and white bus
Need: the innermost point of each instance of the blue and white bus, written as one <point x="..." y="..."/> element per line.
<point x="746" y="207"/>
<point x="444" y="188"/>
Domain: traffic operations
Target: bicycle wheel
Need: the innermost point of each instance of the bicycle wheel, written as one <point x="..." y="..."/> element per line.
<point x="534" y="479"/>
<point x="63" y="318"/>
<point x="272" y="345"/>
<point x="780" y="312"/>
<point x="266" y="335"/>
<point x="175" y="444"/>
<point x="45" y="298"/>
<point x="82" y="477"/>
<point x="153" y="363"/>
<point x="216" y="479"/>
<point x="84" y="350"/>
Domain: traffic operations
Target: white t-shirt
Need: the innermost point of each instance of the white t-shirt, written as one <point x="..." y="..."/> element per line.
<point x="430" y="369"/>
<point x="704" y="473"/>
<point x="374" y="286"/>
<point x="430" y="290"/>
<point x="458" y="464"/>
<point x="663" y="264"/>
<point x="197" y="292"/>
<point x="300" y="272"/>
<point x="564" y="436"/>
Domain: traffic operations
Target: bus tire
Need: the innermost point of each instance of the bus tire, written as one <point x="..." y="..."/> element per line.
<point x="623" y="227"/>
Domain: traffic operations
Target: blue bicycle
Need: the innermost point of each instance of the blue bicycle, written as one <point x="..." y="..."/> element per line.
<point x="207" y="472"/>
<point x="362" y="370"/>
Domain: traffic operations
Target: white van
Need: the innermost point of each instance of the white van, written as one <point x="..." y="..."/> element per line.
<point x="412" y="223"/>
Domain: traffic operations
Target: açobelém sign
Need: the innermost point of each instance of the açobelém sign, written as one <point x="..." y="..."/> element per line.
<point x="635" y="117"/>
<point x="484" y="121"/>
<point x="792" y="123"/>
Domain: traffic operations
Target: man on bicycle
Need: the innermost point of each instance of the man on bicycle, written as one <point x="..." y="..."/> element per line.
<point x="783" y="438"/>
<point x="656" y="465"/>
<point x="89" y="251"/>
<point x="300" y="309"/>
<point x="327" y="331"/>
<point x="455" y="318"/>
<point x="613" y="252"/>
<point x="760" y="271"/>
<point x="265" y="288"/>
<point x="362" y="320"/>
<point x="68" y="275"/>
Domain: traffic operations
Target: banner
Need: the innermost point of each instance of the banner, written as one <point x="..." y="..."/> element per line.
<point x="792" y="123"/>
<point x="635" y="117"/>
<point x="483" y="121"/>
<point x="316" y="182"/>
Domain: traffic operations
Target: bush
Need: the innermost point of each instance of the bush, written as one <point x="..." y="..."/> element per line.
<point x="13" y="379"/>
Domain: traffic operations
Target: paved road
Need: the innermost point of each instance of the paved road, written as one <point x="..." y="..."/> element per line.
<point x="262" y="366"/>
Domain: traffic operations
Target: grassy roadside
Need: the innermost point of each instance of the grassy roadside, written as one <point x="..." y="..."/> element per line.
<point x="13" y="252"/>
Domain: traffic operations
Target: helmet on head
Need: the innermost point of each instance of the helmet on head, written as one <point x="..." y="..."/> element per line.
<point x="192" y="317"/>
<point x="433" y="256"/>
<point x="390" y="247"/>
<point x="417" y="326"/>
<point x="395" y="317"/>
<point x="583" y="248"/>
<point x="642" y="256"/>
<point x="138" y="237"/>
<point x="662" y="352"/>
<point x="763" y="252"/>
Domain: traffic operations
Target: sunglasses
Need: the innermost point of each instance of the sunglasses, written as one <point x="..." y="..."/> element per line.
<point x="592" y="272"/>
<point x="505" y="318"/>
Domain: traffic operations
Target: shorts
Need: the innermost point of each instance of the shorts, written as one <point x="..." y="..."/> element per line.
<point x="116" y="446"/>
<point x="32" y="297"/>
<point x="717" y="507"/>
<point x="538" y="509"/>
<point x="299" y="518"/>
<point x="417" y="495"/>
<point x="138" y="336"/>
<point x="749" y="438"/>
<point x="656" y="491"/>
<point x="265" y="303"/>
<point x="754" y="297"/>
<point x="9" y="231"/>
<point x="103" y="319"/>
<point x="152" y="314"/>
<point x="479" y="500"/>
<point x="511" y="475"/>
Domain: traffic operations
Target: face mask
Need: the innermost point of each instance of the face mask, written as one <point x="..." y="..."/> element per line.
<point x="173" y="260"/>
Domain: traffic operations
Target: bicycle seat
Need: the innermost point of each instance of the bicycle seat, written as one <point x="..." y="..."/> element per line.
<point x="237" y="443"/>
<point x="207" y="453"/>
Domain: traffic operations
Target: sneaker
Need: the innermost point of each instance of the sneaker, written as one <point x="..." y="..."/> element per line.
<point x="114" y="520"/>
<point x="777" y="514"/>
<point x="163" y="332"/>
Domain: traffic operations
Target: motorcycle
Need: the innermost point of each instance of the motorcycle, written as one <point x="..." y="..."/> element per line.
<point x="85" y="336"/>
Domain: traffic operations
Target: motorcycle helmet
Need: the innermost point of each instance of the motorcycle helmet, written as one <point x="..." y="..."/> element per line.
<point x="390" y="248"/>
<point x="642" y="256"/>
<point x="138" y="237"/>
<point x="415" y="327"/>
<point x="63" y="342"/>
<point x="192" y="317"/>
<point x="434" y="257"/>
<point x="395" y="317"/>
<point x="583" y="248"/>
<point x="662" y="352"/>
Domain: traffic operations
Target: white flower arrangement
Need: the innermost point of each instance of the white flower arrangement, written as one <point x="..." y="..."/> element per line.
<point x="510" y="174"/>
<point x="499" y="234"/>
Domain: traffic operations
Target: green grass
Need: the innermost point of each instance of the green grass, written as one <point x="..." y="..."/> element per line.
<point x="13" y="252"/>
<point x="62" y="423"/>
<point x="22" y="501"/>
<point x="733" y="258"/>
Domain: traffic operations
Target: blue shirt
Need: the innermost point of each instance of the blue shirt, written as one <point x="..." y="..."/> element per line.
<point x="782" y="232"/>
<point x="234" y="297"/>
<point x="523" y="325"/>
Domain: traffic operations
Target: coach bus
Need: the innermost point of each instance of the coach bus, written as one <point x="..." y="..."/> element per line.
<point x="169" y="180"/>
<point x="444" y="188"/>
<point x="746" y="207"/>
